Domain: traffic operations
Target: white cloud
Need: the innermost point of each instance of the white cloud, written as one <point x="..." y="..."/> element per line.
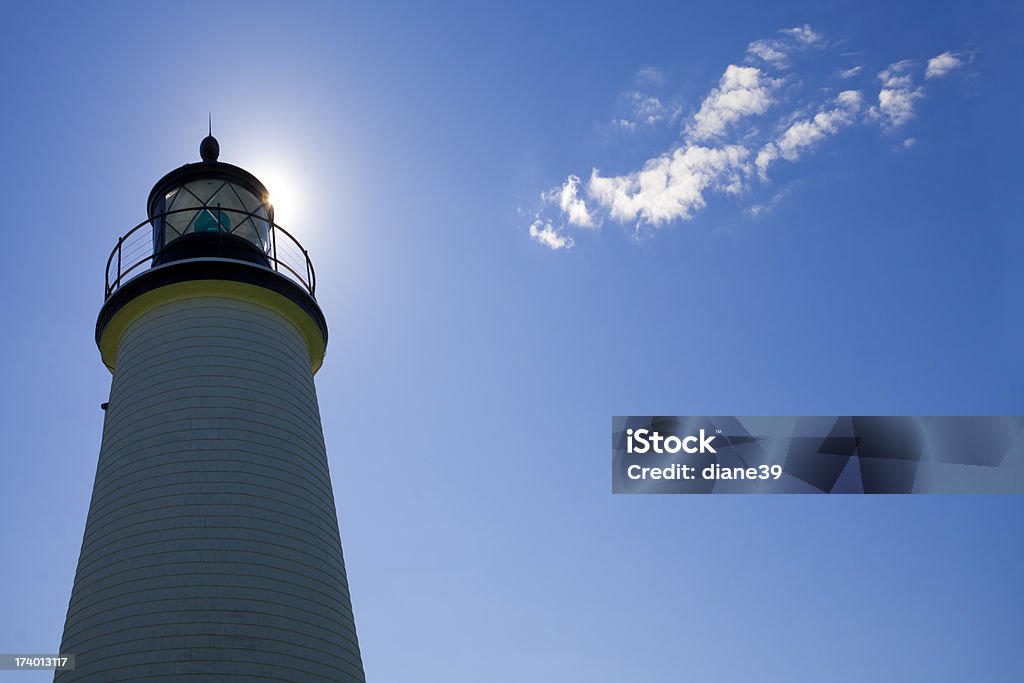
<point x="570" y="204"/>
<point x="671" y="186"/>
<point x="545" y="233"/>
<point x="805" y="134"/>
<point x="942" y="64"/>
<point x="771" y="51"/>
<point x="804" y="35"/>
<point x="897" y="97"/>
<point x="677" y="185"/>
<point x="897" y="105"/>
<point x="640" y="107"/>
<point x="742" y="91"/>
<point x="646" y="110"/>
<point x="776" y="51"/>
<point x="765" y="157"/>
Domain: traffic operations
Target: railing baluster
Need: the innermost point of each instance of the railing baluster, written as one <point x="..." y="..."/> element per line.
<point x="306" y="254"/>
<point x="120" y="241"/>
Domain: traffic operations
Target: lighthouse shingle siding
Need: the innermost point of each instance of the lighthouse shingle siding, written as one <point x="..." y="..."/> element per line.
<point x="211" y="549"/>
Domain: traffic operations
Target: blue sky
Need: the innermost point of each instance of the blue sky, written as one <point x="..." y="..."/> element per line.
<point x="473" y="370"/>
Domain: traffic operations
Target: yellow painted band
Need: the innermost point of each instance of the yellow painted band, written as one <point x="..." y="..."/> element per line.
<point x="110" y="339"/>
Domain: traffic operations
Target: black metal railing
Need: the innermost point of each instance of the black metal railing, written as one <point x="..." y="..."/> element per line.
<point x="135" y="250"/>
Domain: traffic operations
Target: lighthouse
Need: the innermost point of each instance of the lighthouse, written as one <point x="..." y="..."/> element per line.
<point x="211" y="548"/>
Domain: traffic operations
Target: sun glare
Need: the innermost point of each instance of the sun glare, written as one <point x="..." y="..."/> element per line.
<point x="284" y="196"/>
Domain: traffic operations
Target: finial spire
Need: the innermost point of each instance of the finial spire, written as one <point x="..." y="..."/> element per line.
<point x="211" y="123"/>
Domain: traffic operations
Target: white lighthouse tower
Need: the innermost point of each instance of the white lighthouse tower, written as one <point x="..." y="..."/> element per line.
<point x="211" y="549"/>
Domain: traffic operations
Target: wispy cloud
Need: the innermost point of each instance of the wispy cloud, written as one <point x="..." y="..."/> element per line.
<point x="941" y="65"/>
<point x="770" y="51"/>
<point x="642" y="106"/>
<point x="777" y="51"/>
<point x="805" y="134"/>
<point x="553" y="238"/>
<point x="804" y="35"/>
<point x="574" y="208"/>
<point x="764" y="208"/>
<point x="758" y="114"/>
<point x="645" y="110"/>
<point x="649" y="75"/>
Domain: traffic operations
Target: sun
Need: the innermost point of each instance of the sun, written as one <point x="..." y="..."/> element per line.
<point x="284" y="195"/>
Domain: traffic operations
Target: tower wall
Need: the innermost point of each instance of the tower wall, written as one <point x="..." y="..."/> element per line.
<point x="211" y="548"/>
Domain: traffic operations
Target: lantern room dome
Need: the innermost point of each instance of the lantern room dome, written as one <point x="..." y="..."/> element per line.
<point x="201" y="208"/>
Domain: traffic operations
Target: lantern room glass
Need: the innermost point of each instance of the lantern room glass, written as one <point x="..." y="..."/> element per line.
<point x="211" y="205"/>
